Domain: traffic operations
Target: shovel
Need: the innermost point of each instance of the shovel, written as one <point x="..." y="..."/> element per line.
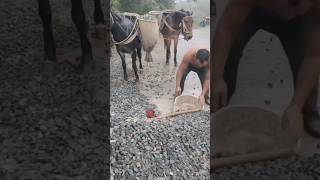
<point x="183" y="104"/>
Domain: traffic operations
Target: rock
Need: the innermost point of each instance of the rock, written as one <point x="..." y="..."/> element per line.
<point x="267" y="102"/>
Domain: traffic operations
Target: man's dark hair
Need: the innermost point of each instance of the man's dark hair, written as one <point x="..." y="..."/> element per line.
<point x="203" y="55"/>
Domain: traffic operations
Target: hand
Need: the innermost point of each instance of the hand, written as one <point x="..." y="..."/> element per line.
<point x="178" y="91"/>
<point x="202" y="100"/>
<point x="219" y="94"/>
<point x="292" y="122"/>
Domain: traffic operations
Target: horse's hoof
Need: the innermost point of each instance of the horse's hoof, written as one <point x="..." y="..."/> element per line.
<point x="167" y="63"/>
<point x="175" y="64"/>
<point x="49" y="68"/>
<point x="137" y="80"/>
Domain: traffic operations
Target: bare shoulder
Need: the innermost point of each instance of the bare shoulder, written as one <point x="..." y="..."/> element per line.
<point x="187" y="57"/>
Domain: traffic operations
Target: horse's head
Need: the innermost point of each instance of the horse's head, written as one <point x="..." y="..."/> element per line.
<point x="186" y="23"/>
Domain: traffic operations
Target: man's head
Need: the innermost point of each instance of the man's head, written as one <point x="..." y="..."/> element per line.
<point x="203" y="55"/>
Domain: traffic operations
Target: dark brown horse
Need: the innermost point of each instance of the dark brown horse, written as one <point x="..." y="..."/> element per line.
<point x="127" y="40"/>
<point x="172" y="24"/>
<point x="78" y="17"/>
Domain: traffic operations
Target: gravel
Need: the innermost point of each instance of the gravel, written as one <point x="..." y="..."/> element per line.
<point x="51" y="128"/>
<point x="166" y="148"/>
<point x="174" y="148"/>
<point x="293" y="168"/>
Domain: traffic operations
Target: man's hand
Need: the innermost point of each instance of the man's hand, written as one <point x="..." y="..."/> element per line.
<point x="220" y="93"/>
<point x="292" y="122"/>
<point x="202" y="100"/>
<point x="178" y="91"/>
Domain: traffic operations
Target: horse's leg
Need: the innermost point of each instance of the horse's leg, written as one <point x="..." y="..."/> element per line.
<point x="78" y="18"/>
<point x="134" y="65"/>
<point x="98" y="13"/>
<point x="167" y="43"/>
<point x="49" y="43"/>
<point x="139" y="56"/>
<point x="123" y="61"/>
<point x="99" y="20"/>
<point x="175" y="51"/>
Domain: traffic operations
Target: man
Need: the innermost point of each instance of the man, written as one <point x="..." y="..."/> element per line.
<point x="197" y="60"/>
<point x="296" y="23"/>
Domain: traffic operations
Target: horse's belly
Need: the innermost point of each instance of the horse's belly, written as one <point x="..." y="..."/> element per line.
<point x="125" y="49"/>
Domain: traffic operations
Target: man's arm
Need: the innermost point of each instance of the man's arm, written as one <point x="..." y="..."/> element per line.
<point x="307" y="79"/>
<point x="309" y="71"/>
<point x="206" y="84"/>
<point x="233" y="17"/>
<point x="182" y="67"/>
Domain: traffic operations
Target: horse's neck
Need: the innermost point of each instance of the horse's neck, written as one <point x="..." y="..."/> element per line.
<point x="174" y="22"/>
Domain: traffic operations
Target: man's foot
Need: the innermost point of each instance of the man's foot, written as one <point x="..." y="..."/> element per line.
<point x="312" y="122"/>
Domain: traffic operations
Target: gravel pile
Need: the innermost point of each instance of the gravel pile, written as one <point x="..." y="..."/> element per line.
<point x="50" y="128"/>
<point x="280" y="169"/>
<point x="175" y="148"/>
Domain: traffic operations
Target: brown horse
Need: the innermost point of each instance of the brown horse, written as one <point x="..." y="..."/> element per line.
<point x="172" y="24"/>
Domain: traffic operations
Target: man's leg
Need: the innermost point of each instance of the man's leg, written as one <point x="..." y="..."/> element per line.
<point x="183" y="79"/>
<point x="202" y="73"/>
<point x="235" y="54"/>
<point x="295" y="41"/>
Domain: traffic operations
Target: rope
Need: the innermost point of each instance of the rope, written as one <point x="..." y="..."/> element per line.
<point x="172" y="38"/>
<point x="169" y="27"/>
<point x="172" y="114"/>
<point x="185" y="29"/>
<point x="132" y="35"/>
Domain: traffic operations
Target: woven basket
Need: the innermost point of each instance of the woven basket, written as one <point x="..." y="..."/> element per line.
<point x="186" y="103"/>
<point x="241" y="130"/>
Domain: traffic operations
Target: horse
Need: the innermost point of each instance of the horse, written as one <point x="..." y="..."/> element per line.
<point x="127" y="40"/>
<point x="78" y="18"/>
<point x="172" y="24"/>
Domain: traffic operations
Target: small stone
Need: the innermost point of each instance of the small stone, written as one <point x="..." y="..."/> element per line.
<point x="267" y="102"/>
<point x="281" y="81"/>
<point x="270" y="85"/>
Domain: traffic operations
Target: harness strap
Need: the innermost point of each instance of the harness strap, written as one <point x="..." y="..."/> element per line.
<point x="185" y="28"/>
<point x="132" y="35"/>
<point x="166" y="23"/>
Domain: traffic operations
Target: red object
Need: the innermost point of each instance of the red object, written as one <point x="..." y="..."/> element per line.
<point x="150" y="113"/>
